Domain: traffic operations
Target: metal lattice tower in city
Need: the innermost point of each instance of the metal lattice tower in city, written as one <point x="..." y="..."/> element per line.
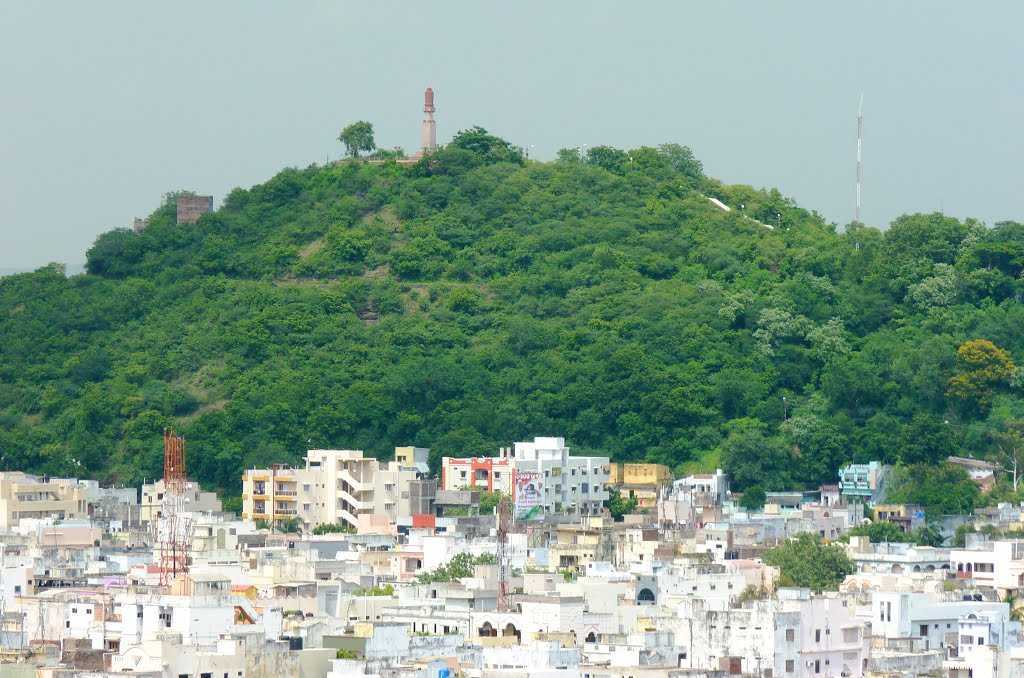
<point x="174" y="525"/>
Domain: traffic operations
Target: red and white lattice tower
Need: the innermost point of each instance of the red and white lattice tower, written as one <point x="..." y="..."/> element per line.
<point x="174" y="527"/>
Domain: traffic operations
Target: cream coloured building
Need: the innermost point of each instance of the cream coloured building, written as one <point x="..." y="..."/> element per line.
<point x="339" y="486"/>
<point x="24" y="496"/>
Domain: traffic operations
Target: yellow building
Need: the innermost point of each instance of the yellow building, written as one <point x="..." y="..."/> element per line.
<point x="640" y="481"/>
<point x="271" y="494"/>
<point x="907" y="516"/>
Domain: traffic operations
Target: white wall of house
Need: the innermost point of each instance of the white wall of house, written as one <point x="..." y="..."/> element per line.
<point x="999" y="564"/>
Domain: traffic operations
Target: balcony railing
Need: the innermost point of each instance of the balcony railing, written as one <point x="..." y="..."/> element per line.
<point x="357" y="483"/>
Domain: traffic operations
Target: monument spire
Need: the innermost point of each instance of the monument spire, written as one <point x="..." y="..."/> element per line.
<point x="428" y="131"/>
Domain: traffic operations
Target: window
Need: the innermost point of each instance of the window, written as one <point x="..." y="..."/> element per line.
<point x="789" y="666"/>
<point x="790" y="636"/>
<point x="817" y="637"/>
<point x="817" y="666"/>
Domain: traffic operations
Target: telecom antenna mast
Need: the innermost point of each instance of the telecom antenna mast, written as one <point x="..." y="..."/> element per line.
<point x="174" y="527"/>
<point x="860" y="157"/>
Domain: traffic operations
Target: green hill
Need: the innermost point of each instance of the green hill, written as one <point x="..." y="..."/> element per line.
<point x="476" y="298"/>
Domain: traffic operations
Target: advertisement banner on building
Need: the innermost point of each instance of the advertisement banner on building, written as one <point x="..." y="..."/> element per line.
<point x="529" y="495"/>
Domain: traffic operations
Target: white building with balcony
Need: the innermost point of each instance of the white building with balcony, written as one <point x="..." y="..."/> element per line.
<point x="996" y="564"/>
<point x="337" y="487"/>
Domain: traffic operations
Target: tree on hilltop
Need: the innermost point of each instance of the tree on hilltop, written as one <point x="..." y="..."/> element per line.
<point x="489" y="147"/>
<point x="357" y="137"/>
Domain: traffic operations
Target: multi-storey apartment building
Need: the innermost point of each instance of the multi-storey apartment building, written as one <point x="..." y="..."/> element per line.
<point x="24" y="496"/>
<point x="863" y="483"/>
<point x="339" y="486"/>
<point x="562" y="482"/>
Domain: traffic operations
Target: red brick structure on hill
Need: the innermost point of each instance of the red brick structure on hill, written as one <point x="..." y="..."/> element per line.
<point x="191" y="207"/>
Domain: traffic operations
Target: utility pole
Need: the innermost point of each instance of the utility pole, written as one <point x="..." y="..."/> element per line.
<point x="860" y="157"/>
<point x="505" y="518"/>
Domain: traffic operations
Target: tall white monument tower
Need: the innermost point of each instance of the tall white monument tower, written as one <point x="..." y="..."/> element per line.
<point x="428" y="131"/>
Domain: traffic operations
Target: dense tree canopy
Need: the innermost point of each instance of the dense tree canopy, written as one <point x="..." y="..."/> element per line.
<point x="805" y="562"/>
<point x="940" y="489"/>
<point x="476" y="297"/>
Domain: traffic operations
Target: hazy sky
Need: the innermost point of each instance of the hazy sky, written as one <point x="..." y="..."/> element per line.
<point x="106" y="105"/>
